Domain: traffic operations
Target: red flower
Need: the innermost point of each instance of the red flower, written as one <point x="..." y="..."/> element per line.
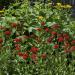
<point x="72" y="48"/>
<point x="25" y="56"/>
<point x="20" y="53"/>
<point x="17" y="45"/>
<point x="14" y="24"/>
<point x="73" y="42"/>
<point x="1" y="40"/>
<point x="54" y="33"/>
<point x="67" y="44"/>
<point x="7" y="32"/>
<point x="42" y="23"/>
<point x="67" y="51"/>
<point x="66" y="36"/>
<point x="46" y="29"/>
<point x="17" y="48"/>
<point x="49" y="40"/>
<point x="60" y="39"/>
<point x="34" y="49"/>
<point x="43" y="55"/>
<point x="56" y="46"/>
<point x="17" y="40"/>
<point x="34" y="57"/>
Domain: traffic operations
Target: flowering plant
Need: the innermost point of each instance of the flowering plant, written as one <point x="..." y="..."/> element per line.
<point x="36" y="41"/>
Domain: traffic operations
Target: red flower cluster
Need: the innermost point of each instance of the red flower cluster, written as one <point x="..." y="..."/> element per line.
<point x="34" y="49"/>
<point x="16" y="40"/>
<point x="73" y="42"/>
<point x="8" y="32"/>
<point x="46" y="29"/>
<point x="54" y="33"/>
<point x="70" y="49"/>
<point x="66" y="36"/>
<point x="49" y="40"/>
<point x="56" y="46"/>
<point x="34" y="56"/>
<point x="25" y="56"/>
<point x="60" y="39"/>
<point x="20" y="53"/>
<point x="17" y="46"/>
<point x="67" y="44"/>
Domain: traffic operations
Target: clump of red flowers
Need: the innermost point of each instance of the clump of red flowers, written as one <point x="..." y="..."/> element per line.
<point x="34" y="49"/>
<point x="54" y="33"/>
<point x="17" y="46"/>
<point x="60" y="39"/>
<point x="66" y="36"/>
<point x="73" y="42"/>
<point x="56" y="46"/>
<point x="46" y="29"/>
<point x="20" y="53"/>
<point x="7" y="32"/>
<point x="34" y="56"/>
<point x="49" y="40"/>
<point x="72" y="48"/>
<point x="16" y="40"/>
<point x="25" y="56"/>
<point x="67" y="44"/>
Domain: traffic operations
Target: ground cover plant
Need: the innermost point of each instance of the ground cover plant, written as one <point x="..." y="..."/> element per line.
<point x="37" y="40"/>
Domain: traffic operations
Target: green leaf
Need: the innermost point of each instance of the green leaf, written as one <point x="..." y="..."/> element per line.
<point x="49" y="24"/>
<point x="30" y="29"/>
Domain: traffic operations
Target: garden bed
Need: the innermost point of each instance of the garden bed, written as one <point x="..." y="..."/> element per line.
<point x="37" y="40"/>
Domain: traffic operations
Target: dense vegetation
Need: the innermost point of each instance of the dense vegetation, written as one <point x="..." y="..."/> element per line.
<point x="38" y="40"/>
